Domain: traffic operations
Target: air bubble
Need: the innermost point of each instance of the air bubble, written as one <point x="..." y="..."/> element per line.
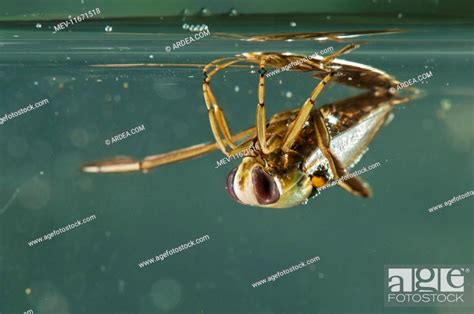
<point x="38" y="25"/>
<point x="108" y="29"/>
<point x="233" y="12"/>
<point x="293" y="24"/>
<point x="205" y="12"/>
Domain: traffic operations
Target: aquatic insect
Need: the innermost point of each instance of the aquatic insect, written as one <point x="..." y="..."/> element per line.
<point x="297" y="151"/>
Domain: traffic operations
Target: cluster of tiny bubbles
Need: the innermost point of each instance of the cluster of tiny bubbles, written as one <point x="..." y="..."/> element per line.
<point x="195" y="28"/>
<point x="166" y="294"/>
<point x="108" y="29"/>
<point x="38" y="25"/>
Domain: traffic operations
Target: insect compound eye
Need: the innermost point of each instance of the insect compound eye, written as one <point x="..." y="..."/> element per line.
<point x="264" y="187"/>
<point x="230" y="185"/>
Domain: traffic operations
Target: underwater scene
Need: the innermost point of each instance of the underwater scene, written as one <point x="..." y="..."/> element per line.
<point x="236" y="157"/>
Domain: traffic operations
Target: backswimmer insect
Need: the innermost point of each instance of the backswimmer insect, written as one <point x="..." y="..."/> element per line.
<point x="297" y="151"/>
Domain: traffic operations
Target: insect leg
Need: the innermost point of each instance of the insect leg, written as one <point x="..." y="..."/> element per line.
<point x="247" y="145"/>
<point x="261" y="123"/>
<point x="343" y="50"/>
<point x="353" y="185"/>
<point x="217" y="119"/>
<point x="127" y="164"/>
<point x="295" y="129"/>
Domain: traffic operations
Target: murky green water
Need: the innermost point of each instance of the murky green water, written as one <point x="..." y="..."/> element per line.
<point x="426" y="154"/>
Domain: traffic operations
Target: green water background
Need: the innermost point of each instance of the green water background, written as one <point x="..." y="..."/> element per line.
<point x="426" y="154"/>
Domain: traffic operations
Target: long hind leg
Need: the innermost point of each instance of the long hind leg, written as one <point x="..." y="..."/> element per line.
<point x="127" y="164"/>
<point x="349" y="183"/>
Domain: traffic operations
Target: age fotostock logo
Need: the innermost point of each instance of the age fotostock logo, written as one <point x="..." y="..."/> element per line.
<point x="428" y="285"/>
